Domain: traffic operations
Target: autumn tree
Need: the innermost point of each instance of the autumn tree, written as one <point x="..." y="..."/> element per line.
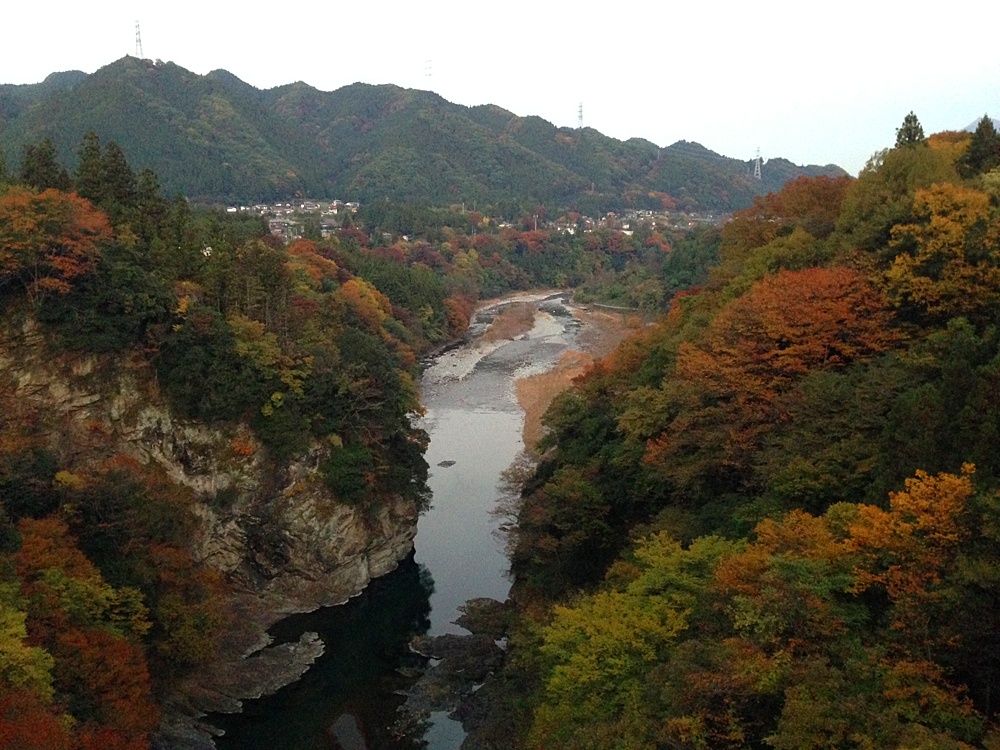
<point x="27" y="722"/>
<point x="814" y="202"/>
<point x="724" y="393"/>
<point x="602" y="684"/>
<point x="22" y="665"/>
<point x="910" y="549"/>
<point x="948" y="260"/>
<point x="48" y="239"/>
<point x="92" y="631"/>
<point x="784" y="230"/>
<point x="776" y="641"/>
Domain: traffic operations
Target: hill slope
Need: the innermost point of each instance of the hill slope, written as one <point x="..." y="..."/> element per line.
<point x="215" y="137"/>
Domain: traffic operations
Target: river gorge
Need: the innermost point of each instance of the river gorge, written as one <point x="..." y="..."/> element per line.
<point x="356" y="694"/>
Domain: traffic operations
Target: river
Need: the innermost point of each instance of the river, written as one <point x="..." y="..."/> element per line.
<point x="349" y="699"/>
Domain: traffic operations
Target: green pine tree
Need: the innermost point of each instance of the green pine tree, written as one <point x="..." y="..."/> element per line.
<point x="983" y="153"/>
<point x="88" y="178"/>
<point x="911" y="132"/>
<point x="119" y="184"/>
<point x="40" y="168"/>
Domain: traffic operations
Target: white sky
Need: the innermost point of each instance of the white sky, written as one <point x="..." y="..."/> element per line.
<point x="816" y="83"/>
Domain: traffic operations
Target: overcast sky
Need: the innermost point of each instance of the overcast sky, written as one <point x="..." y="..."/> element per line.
<point x="816" y="83"/>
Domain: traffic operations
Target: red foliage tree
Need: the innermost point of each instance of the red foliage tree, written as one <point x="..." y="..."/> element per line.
<point x="47" y="239"/>
<point x="26" y="723"/>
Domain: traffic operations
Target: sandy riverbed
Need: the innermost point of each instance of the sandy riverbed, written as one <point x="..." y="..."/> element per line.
<point x="601" y="333"/>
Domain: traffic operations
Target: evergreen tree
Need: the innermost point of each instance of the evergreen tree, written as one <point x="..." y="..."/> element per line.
<point x="151" y="208"/>
<point x="40" y="168"/>
<point x="983" y="153"/>
<point x="911" y="132"/>
<point x="118" y="183"/>
<point x="88" y="179"/>
<point x="4" y="177"/>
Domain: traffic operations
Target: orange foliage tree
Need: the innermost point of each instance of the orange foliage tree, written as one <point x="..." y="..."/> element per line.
<point x="47" y="239"/>
<point x="812" y="203"/>
<point x="908" y="550"/>
<point x="366" y="302"/>
<point x="725" y="392"/>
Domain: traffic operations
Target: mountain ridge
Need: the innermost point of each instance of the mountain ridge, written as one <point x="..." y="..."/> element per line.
<point x="217" y="138"/>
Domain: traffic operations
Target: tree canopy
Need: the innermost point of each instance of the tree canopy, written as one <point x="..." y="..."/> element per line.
<point x="769" y="520"/>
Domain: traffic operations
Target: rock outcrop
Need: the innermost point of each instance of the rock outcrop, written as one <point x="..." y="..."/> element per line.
<point x="275" y="532"/>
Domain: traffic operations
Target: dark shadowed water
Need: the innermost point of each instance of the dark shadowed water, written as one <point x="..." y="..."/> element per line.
<point x="349" y="699"/>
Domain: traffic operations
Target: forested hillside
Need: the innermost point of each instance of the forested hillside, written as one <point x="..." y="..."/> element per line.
<point x="772" y="520"/>
<point x="300" y="359"/>
<point x="216" y="138"/>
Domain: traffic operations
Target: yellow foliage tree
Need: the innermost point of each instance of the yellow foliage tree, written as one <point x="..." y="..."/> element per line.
<point x="949" y="258"/>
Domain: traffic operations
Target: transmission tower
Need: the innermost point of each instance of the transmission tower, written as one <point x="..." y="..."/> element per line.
<point x="579" y="117"/>
<point x="756" y="166"/>
<point x="138" y="43"/>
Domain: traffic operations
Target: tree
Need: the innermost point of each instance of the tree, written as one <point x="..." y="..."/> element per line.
<point x="908" y="551"/>
<point x="911" y="132"/>
<point x="601" y="654"/>
<point x="983" y="153"/>
<point x="48" y="239"/>
<point x="948" y="262"/>
<point x="28" y="723"/>
<point x="150" y="210"/>
<point x="22" y="666"/>
<point x="883" y="194"/>
<point x="40" y="168"/>
<point x="87" y="179"/>
<point x="118" y="183"/>
<point x="725" y="394"/>
<point x="814" y="202"/>
<point x="92" y="631"/>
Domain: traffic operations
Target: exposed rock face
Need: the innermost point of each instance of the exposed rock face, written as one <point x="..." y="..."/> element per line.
<point x="277" y="534"/>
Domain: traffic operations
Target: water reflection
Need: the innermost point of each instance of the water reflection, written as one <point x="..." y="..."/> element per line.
<point x="347" y="700"/>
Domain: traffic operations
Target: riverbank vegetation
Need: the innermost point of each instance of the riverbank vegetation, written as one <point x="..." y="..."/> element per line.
<point x="310" y="348"/>
<point x="771" y="520"/>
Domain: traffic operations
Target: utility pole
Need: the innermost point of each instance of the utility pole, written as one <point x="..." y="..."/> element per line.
<point x="138" y="42"/>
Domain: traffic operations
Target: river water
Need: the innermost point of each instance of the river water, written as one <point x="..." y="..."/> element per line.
<point x="349" y="699"/>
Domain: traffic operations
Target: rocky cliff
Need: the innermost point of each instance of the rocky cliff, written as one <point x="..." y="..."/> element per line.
<point x="275" y="533"/>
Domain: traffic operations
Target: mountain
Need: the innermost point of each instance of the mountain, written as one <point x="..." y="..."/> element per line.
<point x="971" y="127"/>
<point x="215" y="137"/>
